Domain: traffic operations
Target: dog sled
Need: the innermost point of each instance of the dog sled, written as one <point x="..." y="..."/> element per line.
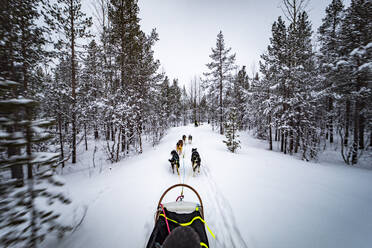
<point x="176" y="215"/>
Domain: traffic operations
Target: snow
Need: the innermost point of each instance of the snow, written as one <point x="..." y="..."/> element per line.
<point x="341" y="63"/>
<point x="255" y="198"/>
<point x="41" y="157"/>
<point x="20" y="101"/>
<point x="7" y="83"/>
<point x="365" y="66"/>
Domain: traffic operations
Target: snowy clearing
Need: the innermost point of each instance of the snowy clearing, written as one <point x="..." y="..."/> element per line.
<point x="255" y="198"/>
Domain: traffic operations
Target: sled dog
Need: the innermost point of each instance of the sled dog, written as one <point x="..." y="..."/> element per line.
<point x="195" y="161"/>
<point x="175" y="161"/>
<point x="190" y="139"/>
<point x="179" y="146"/>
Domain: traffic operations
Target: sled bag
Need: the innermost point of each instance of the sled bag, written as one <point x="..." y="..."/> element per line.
<point x="160" y="231"/>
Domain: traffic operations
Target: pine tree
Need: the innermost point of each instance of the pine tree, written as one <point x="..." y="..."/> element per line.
<point x="91" y="90"/>
<point x="23" y="222"/>
<point x="137" y="69"/>
<point x="185" y="106"/>
<point x="231" y="126"/>
<point x="329" y="41"/>
<point x="284" y="99"/>
<point x="175" y="103"/>
<point x="240" y="90"/>
<point x="219" y="77"/>
<point x="21" y="49"/>
<point x="353" y="65"/>
<point x="67" y="18"/>
<point x="269" y="102"/>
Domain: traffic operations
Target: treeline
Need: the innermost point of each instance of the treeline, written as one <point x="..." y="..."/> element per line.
<point x="107" y="85"/>
<point x="60" y="85"/>
<point x="310" y="92"/>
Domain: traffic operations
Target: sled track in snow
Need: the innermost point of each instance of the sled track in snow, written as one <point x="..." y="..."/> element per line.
<point x="220" y="215"/>
<point x="218" y="212"/>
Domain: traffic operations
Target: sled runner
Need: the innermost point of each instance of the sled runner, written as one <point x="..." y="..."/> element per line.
<point x="179" y="213"/>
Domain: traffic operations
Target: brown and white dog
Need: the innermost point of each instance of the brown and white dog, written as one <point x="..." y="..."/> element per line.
<point x="190" y="139"/>
<point x="179" y="146"/>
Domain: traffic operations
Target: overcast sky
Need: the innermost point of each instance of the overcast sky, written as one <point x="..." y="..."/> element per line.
<point x="188" y="28"/>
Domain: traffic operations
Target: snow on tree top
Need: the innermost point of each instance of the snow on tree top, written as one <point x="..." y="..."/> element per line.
<point x="21" y="101"/>
<point x="7" y="83"/>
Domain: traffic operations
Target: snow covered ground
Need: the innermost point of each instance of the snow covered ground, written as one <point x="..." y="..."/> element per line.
<point x="255" y="198"/>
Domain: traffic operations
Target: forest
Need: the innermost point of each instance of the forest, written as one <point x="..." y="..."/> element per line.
<point x="64" y="86"/>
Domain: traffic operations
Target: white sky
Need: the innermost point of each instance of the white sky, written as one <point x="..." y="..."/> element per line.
<point x="188" y="28"/>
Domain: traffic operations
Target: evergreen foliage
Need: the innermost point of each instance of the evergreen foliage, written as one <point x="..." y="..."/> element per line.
<point x="218" y="79"/>
<point x="27" y="214"/>
<point x="231" y="128"/>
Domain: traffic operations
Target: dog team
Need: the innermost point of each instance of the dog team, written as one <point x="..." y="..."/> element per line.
<point x="175" y="159"/>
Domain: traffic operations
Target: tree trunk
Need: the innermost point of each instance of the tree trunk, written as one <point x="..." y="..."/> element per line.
<point x="282" y="141"/>
<point x="285" y="142"/>
<point x="221" y="113"/>
<point x="221" y="104"/>
<point x="85" y="136"/>
<point x="107" y="126"/>
<point x="29" y="143"/>
<point x="291" y="140"/>
<point x="16" y="170"/>
<point x="33" y="214"/>
<point x="354" y="158"/>
<point x="123" y="140"/>
<point x="118" y="146"/>
<point x="330" y="122"/>
<point x="347" y="122"/>
<point x="112" y="132"/>
<point x="270" y="135"/>
<point x="361" y="131"/>
<point x="61" y="139"/>
<point x="297" y="142"/>
<point x="73" y="82"/>
<point x="96" y="135"/>
<point x="66" y="128"/>
<point x="140" y="139"/>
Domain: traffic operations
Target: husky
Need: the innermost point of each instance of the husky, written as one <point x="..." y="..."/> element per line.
<point x="195" y="160"/>
<point x="175" y="161"/>
<point x="184" y="139"/>
<point x="190" y="139"/>
<point x="179" y="146"/>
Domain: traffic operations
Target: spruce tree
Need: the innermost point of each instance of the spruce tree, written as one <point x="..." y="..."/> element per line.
<point x="21" y="49"/>
<point x="240" y="90"/>
<point x="231" y="128"/>
<point x="24" y="222"/>
<point x="329" y="42"/>
<point x="185" y="106"/>
<point x="219" y="77"/>
<point x="353" y="67"/>
<point x="91" y="90"/>
<point x="269" y="96"/>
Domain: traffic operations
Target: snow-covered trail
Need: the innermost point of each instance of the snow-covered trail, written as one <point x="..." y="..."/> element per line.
<point x="255" y="198"/>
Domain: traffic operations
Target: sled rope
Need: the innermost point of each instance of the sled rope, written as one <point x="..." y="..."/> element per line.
<point x="166" y="221"/>
<point x="189" y="223"/>
<point x="182" y="180"/>
<point x="203" y="245"/>
<point x="180" y="197"/>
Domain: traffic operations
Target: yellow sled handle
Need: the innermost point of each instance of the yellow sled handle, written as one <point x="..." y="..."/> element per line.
<point x="181" y="185"/>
